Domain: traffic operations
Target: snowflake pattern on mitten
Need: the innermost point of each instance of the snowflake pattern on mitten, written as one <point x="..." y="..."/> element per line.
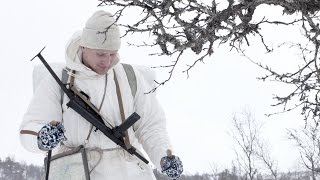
<point x="50" y="135"/>
<point x="172" y="166"/>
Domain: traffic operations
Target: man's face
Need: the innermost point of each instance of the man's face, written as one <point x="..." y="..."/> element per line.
<point x="98" y="60"/>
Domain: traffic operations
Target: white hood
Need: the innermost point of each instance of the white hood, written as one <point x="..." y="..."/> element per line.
<point x="74" y="62"/>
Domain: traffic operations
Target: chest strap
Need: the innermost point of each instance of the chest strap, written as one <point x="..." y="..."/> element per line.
<point x="126" y="138"/>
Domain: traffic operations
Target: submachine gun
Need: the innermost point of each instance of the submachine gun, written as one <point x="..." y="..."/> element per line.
<point x="88" y="112"/>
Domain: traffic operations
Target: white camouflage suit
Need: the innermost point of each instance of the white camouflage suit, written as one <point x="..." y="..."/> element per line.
<point x="150" y="131"/>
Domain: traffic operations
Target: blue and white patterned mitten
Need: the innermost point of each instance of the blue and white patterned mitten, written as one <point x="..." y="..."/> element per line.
<point x="172" y="166"/>
<point x="50" y="136"/>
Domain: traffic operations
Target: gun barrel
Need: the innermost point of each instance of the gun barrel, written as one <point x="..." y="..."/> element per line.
<point x="141" y="157"/>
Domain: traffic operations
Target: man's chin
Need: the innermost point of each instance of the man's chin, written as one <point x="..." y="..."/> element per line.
<point x="102" y="72"/>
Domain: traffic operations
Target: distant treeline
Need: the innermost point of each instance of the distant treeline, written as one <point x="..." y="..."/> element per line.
<point x="12" y="170"/>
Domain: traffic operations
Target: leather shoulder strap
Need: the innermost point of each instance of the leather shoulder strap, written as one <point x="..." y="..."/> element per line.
<point x="126" y="138"/>
<point x="29" y="132"/>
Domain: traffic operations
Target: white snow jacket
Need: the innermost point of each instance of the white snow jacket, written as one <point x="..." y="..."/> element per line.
<point x="149" y="131"/>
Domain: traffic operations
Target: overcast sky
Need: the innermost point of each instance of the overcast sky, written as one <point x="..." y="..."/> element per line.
<point x="199" y="108"/>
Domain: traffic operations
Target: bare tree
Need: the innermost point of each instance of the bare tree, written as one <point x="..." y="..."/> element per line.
<point x="245" y="134"/>
<point x="199" y="26"/>
<point x="307" y="139"/>
<point x="214" y="170"/>
<point x="251" y="149"/>
<point x="264" y="155"/>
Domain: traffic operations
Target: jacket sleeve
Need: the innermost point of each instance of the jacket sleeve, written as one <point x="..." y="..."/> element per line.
<point x="44" y="107"/>
<point x="151" y="128"/>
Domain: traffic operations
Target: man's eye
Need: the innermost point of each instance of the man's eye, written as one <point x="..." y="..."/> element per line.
<point x="100" y="54"/>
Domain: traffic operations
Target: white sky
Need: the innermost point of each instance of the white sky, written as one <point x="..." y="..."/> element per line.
<point x="199" y="109"/>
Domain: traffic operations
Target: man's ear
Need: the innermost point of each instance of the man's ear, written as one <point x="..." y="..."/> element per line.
<point x="80" y="53"/>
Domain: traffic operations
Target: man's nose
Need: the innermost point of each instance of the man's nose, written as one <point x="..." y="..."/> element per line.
<point x="106" y="59"/>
